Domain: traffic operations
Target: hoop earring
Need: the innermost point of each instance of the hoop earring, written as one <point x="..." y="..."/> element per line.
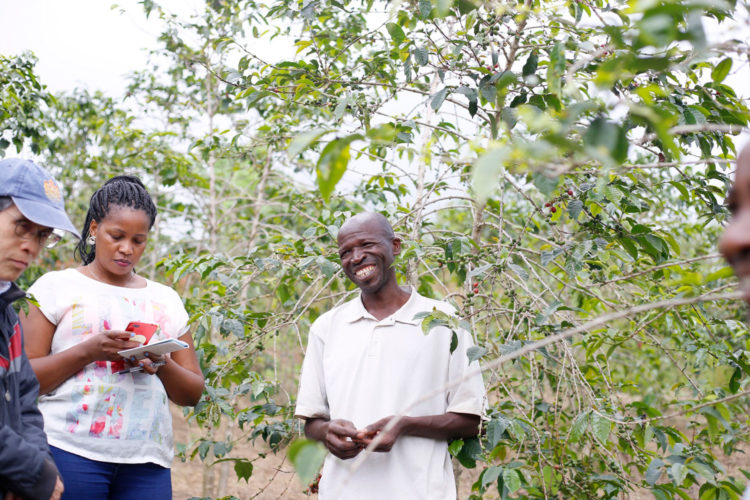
<point x="91" y="240"/>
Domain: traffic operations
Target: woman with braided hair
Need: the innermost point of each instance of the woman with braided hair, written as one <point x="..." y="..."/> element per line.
<point x="110" y="433"/>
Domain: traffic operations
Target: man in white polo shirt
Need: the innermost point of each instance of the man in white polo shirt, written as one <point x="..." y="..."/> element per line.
<point x="368" y="360"/>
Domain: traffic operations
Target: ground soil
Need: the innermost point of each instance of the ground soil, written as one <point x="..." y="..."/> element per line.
<point x="273" y="476"/>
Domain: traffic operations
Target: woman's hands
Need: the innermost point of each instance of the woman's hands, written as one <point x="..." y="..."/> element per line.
<point x="151" y="364"/>
<point x="106" y="345"/>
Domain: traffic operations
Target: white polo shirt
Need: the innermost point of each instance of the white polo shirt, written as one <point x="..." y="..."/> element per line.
<point x="361" y="369"/>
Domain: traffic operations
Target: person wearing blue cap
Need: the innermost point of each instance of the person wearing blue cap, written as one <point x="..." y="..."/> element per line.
<point x="31" y="210"/>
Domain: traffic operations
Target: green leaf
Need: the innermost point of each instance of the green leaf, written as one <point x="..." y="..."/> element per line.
<point x="425" y="7"/>
<point x="454" y="448"/>
<point x="721" y="70"/>
<point x="244" y="469"/>
<point x="420" y="56"/>
<point x="491" y="474"/>
<point x="466" y="6"/>
<point x="479" y="271"/>
<point x="333" y="163"/>
<point x="521" y="272"/>
<point x="679" y="473"/>
<point x="512" y="480"/>
<point x="629" y="247"/>
<point x="454" y="341"/>
<point x="529" y="67"/>
<point x="601" y="427"/>
<point x="438" y="98"/>
<point x="475" y="352"/>
<point x="304" y="140"/>
<point x="654" y="471"/>
<point x="234" y="327"/>
<point x="469" y="453"/>
<point x="579" y="427"/>
<point x="397" y="34"/>
<point x="556" y="69"/>
<point x="604" y="138"/>
<point x="306" y="457"/>
<point x="495" y="430"/>
<point x="574" y="209"/>
<point x="487" y="172"/>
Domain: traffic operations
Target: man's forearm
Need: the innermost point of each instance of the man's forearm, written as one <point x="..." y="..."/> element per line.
<point x="316" y="428"/>
<point x="443" y="427"/>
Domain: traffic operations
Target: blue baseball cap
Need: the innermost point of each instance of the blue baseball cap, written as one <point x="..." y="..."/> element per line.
<point x="35" y="193"/>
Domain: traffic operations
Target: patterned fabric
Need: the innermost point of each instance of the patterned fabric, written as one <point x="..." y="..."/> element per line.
<point x="97" y="413"/>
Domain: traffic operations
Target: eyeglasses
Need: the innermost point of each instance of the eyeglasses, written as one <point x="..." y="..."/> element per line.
<point x="26" y="230"/>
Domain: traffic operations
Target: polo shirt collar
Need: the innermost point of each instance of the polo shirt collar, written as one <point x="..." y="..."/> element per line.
<point x="405" y="314"/>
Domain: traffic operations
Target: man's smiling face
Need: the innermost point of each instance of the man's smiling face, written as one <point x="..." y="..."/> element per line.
<point x="734" y="244"/>
<point x="367" y="253"/>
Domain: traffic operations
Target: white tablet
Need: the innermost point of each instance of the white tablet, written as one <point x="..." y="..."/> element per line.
<point x="160" y="347"/>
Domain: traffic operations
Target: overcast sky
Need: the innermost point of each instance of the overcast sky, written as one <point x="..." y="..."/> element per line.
<point x="89" y="44"/>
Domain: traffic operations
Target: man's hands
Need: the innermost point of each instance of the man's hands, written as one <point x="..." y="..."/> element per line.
<point x="345" y="441"/>
<point x="368" y="434"/>
<point x="337" y="435"/>
<point x="56" y="493"/>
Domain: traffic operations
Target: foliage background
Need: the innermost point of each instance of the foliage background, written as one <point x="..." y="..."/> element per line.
<point x="546" y="164"/>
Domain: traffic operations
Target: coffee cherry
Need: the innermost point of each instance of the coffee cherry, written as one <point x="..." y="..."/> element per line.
<point x="553" y="210"/>
<point x="548" y="204"/>
<point x="570" y="192"/>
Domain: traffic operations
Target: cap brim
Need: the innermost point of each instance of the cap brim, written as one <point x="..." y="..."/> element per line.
<point x="45" y="215"/>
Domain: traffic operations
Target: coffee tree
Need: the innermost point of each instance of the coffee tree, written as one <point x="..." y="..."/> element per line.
<point x="556" y="170"/>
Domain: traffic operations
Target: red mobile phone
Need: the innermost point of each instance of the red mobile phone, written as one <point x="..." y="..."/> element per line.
<point x="147" y="330"/>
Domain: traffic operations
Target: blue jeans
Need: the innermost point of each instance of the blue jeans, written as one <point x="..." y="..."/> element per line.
<point x="93" y="480"/>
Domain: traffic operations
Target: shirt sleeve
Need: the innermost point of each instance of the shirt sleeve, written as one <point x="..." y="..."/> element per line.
<point x="469" y="395"/>
<point x="26" y="465"/>
<point x="312" y="400"/>
<point x="180" y="317"/>
<point x="168" y="312"/>
<point x="45" y="291"/>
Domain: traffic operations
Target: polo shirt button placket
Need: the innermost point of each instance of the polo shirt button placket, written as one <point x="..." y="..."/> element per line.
<point x="374" y="344"/>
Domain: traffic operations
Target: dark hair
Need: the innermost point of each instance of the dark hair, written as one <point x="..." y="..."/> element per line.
<point x="121" y="191"/>
<point x="5" y="202"/>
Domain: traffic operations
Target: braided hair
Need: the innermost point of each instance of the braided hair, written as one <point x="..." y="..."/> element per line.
<point x="121" y="191"/>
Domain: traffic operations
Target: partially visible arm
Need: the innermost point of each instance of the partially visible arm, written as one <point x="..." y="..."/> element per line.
<point x="54" y="369"/>
<point x="26" y="465"/>
<point x="440" y="427"/>
<point x="182" y="376"/>
<point x="443" y="427"/>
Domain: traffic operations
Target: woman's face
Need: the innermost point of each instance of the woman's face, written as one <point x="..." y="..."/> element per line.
<point x="121" y="238"/>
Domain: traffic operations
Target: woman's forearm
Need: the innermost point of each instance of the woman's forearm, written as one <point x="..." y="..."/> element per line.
<point x="54" y="369"/>
<point x="183" y="386"/>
